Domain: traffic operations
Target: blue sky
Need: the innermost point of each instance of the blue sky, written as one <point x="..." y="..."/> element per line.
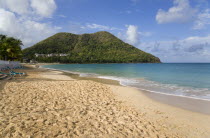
<point x="173" y="30"/>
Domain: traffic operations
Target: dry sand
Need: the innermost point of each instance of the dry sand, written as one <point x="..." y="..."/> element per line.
<point x="38" y="106"/>
<point x="183" y="122"/>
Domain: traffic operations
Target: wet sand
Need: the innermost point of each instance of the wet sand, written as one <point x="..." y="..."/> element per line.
<point x="191" y="104"/>
<point x="50" y="104"/>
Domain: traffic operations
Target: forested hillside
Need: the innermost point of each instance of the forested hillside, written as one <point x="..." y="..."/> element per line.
<point x="100" y="47"/>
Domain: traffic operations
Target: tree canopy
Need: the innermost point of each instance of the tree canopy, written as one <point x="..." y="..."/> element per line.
<point x="10" y="48"/>
<point x="99" y="47"/>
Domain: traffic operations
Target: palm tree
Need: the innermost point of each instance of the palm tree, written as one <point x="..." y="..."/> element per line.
<point x="2" y="37"/>
<point x="10" y="48"/>
<point x="2" y="46"/>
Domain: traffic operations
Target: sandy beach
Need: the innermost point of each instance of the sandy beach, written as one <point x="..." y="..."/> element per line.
<point x="48" y="103"/>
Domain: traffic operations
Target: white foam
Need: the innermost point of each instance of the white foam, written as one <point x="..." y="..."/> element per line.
<point x="175" y="95"/>
<point x="154" y="87"/>
<point x="121" y="80"/>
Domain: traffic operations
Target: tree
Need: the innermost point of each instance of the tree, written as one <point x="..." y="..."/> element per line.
<point x="2" y="46"/>
<point x="100" y="47"/>
<point x="10" y="48"/>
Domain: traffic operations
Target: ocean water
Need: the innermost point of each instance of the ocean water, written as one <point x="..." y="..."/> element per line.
<point x="181" y="79"/>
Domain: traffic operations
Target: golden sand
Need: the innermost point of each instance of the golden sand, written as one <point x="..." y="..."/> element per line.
<point x="37" y="106"/>
<point x="68" y="108"/>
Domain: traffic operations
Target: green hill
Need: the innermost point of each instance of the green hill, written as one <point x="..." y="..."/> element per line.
<point x="99" y="47"/>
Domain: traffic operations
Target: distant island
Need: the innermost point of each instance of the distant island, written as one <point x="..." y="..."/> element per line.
<point x="99" y="47"/>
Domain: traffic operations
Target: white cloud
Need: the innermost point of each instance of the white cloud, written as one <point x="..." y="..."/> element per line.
<point x="27" y="30"/>
<point x="18" y="18"/>
<point x="203" y="20"/>
<point x="132" y="34"/>
<point x="43" y="8"/>
<point x="190" y="49"/>
<point x="80" y="28"/>
<point x="33" y="31"/>
<point x="179" y="13"/>
<point x="99" y="27"/>
<point x="17" y="6"/>
<point x="8" y="22"/>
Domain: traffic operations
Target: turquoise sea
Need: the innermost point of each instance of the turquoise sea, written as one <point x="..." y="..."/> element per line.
<point x="182" y="79"/>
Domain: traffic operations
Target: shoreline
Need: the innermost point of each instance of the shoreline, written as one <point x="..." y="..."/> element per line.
<point x="171" y="115"/>
<point x="157" y="109"/>
<point x="53" y="103"/>
<point x="184" y="102"/>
